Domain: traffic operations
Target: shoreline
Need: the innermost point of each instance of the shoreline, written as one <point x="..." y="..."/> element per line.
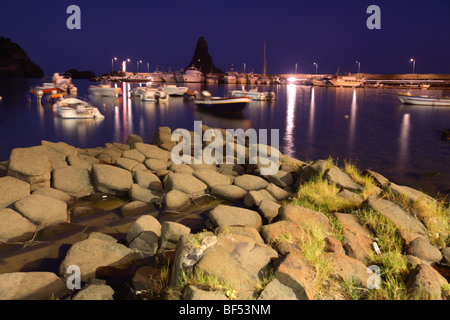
<point x="267" y="219"/>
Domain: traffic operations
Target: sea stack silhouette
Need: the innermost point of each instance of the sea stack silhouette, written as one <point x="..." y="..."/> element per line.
<point x="14" y="61"/>
<point x="202" y="60"/>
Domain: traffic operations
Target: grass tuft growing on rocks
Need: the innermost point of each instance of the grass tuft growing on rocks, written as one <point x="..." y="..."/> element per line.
<point x="435" y="215"/>
<point x="320" y="195"/>
<point x="207" y="282"/>
<point x="391" y="261"/>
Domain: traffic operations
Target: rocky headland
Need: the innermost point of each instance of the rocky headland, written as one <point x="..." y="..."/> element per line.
<point x="14" y="61"/>
<point x="308" y="232"/>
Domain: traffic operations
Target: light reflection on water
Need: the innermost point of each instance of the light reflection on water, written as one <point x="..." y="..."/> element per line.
<point x="367" y="126"/>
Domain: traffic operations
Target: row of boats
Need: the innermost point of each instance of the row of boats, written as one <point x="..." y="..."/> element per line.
<point x="193" y="75"/>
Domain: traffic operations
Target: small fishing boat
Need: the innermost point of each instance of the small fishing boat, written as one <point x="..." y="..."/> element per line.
<point x="253" y="93"/>
<point x="72" y="108"/>
<point x="347" y="81"/>
<point x="174" y="90"/>
<point x="206" y="102"/>
<point x="424" y="100"/>
<point x="105" y="90"/>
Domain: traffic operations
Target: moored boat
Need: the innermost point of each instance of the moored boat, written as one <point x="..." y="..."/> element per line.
<point x="105" y="90"/>
<point x="192" y="74"/>
<point x="347" y="81"/>
<point x="206" y="102"/>
<point x="424" y="100"/>
<point x="73" y="108"/>
<point x="174" y="90"/>
<point x="253" y="94"/>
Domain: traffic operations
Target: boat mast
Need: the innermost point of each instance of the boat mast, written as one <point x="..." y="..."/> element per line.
<point x="264" y="62"/>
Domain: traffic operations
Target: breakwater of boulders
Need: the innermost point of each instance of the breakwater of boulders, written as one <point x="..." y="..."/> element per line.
<point x="251" y="244"/>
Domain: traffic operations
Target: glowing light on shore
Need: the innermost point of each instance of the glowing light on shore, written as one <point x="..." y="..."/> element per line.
<point x="292" y="79"/>
<point x="290" y="116"/>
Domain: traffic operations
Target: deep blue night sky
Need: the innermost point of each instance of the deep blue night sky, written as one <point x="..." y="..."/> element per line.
<point x="165" y="32"/>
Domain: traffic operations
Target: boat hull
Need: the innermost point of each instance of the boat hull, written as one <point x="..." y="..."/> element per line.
<point x="105" y="92"/>
<point x="223" y="104"/>
<point x="425" y="101"/>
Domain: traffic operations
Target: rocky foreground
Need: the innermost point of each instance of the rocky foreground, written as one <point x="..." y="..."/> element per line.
<point x="258" y="248"/>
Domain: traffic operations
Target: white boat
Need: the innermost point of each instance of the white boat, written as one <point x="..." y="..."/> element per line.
<point x="424" y="100"/>
<point x="253" y="93"/>
<point x="252" y="79"/>
<point x="173" y="90"/>
<point x="347" y="81"/>
<point x="148" y="94"/>
<point x="192" y="74"/>
<point x="154" y="94"/>
<point x="105" y="90"/>
<point x="263" y="80"/>
<point x="321" y="82"/>
<point x="169" y="77"/>
<point x="231" y="76"/>
<point x="218" y="104"/>
<point x="72" y="108"/>
<point x="156" y="76"/>
<point x="241" y="79"/>
<point x="211" y="78"/>
<point x="65" y="83"/>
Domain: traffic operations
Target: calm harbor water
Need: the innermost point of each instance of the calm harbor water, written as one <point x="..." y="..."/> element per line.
<point x="369" y="127"/>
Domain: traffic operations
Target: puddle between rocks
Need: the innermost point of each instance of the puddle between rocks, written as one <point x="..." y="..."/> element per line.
<point x="95" y="213"/>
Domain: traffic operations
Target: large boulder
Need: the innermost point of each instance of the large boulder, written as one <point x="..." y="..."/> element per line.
<point x="14" y="227"/>
<point x="73" y="180"/>
<point x="171" y="233"/>
<point x="236" y="260"/>
<point x="411" y="194"/>
<point x="31" y="165"/>
<point x="283" y="231"/>
<point x="53" y="193"/>
<point x="304" y="216"/>
<point x="211" y="178"/>
<point x="357" y="238"/>
<point x="145" y="223"/>
<point x="424" y="283"/>
<point x="254" y="197"/>
<point x="250" y="182"/>
<point x="224" y="215"/>
<point x="153" y="152"/>
<point x="342" y="179"/>
<point x="148" y="180"/>
<point x="12" y="189"/>
<point x="92" y="254"/>
<point x="297" y="273"/>
<point x="399" y="217"/>
<point x="111" y="179"/>
<point x="31" y="286"/>
<point x="176" y="200"/>
<point x="228" y="192"/>
<point x="95" y="292"/>
<point x="41" y="209"/>
<point x="422" y="249"/>
<point x="184" y="182"/>
<point x="137" y="193"/>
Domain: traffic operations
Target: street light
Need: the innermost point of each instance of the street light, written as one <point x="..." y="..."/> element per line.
<point x="414" y="63"/>
<point x="137" y="65"/>
<point x="359" y="65"/>
<point x="316" y="64"/>
<point x="112" y="64"/>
